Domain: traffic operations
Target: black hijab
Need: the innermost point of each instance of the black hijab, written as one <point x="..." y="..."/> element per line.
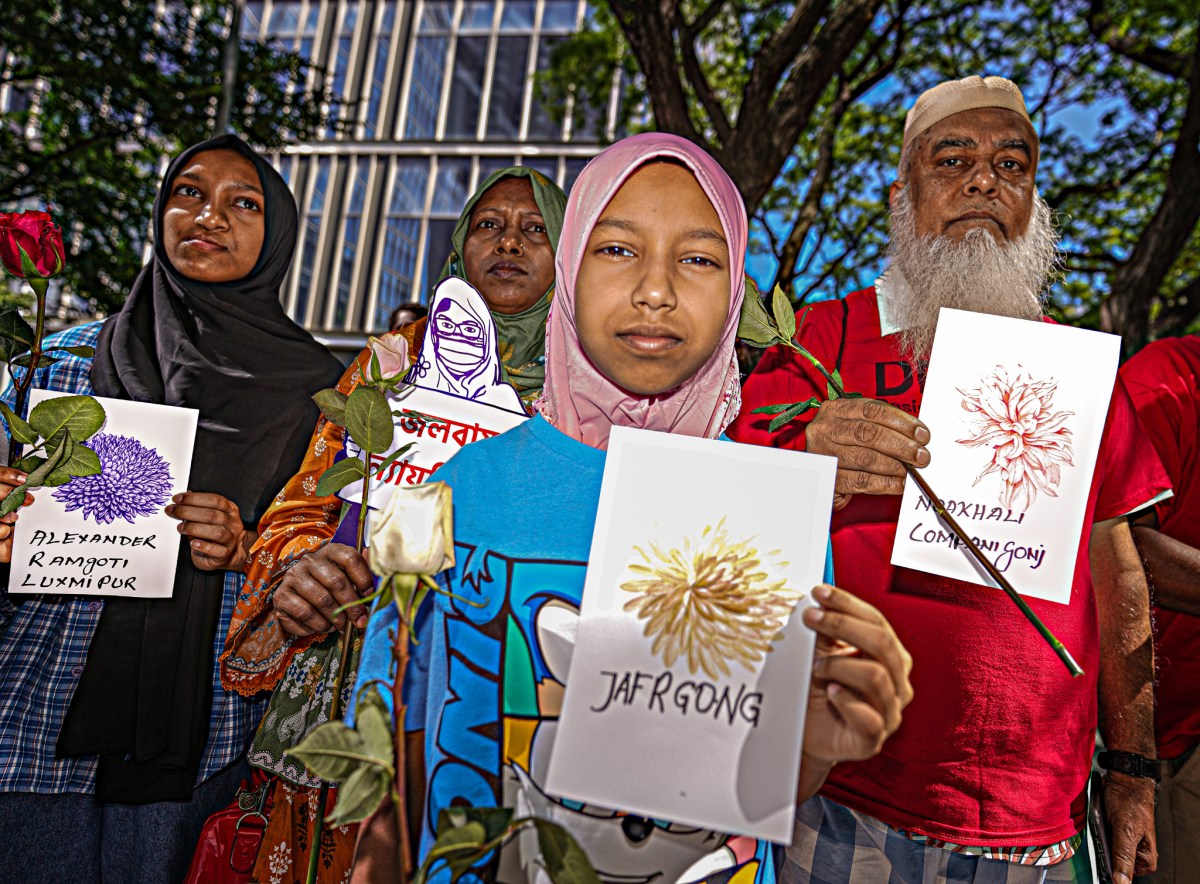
<point x="229" y="350"/>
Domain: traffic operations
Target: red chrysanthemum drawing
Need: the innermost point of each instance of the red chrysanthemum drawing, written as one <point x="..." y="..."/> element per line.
<point x="1014" y="415"/>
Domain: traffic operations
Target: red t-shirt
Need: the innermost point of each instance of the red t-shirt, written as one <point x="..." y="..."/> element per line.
<point x="1164" y="382"/>
<point x="996" y="746"/>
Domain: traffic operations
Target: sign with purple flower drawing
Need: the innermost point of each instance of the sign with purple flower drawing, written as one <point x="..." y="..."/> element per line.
<point x="1016" y="411"/>
<point x="107" y="534"/>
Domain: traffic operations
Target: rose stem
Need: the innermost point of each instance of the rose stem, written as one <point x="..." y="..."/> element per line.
<point x="23" y="384"/>
<point x="335" y="711"/>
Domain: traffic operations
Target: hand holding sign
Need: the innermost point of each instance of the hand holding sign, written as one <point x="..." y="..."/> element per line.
<point x="219" y="540"/>
<point x="10" y="480"/>
<point x="859" y="687"/>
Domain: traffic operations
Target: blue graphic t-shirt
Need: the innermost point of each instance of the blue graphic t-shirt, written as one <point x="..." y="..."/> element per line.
<point x="487" y="675"/>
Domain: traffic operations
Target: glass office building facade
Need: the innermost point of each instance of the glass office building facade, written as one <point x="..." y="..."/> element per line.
<point x="438" y="94"/>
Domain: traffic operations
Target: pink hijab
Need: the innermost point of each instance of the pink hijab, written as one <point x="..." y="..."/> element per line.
<point x="577" y="398"/>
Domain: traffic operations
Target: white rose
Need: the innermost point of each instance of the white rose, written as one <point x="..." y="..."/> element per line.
<point x="414" y="534"/>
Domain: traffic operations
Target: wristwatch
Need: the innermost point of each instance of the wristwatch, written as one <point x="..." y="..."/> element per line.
<point x="1129" y="764"/>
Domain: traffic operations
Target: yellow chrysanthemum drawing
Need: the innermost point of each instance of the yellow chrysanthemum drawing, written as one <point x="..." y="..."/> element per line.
<point x="714" y="601"/>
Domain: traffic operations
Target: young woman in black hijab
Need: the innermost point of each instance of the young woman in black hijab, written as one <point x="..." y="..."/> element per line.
<point x="116" y="699"/>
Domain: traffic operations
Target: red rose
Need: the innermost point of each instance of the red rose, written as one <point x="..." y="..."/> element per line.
<point x="38" y="236"/>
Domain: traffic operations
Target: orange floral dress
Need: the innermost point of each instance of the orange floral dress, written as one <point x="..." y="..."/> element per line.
<point x="258" y="652"/>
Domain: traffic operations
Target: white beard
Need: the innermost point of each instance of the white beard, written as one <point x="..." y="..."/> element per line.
<point x="979" y="274"/>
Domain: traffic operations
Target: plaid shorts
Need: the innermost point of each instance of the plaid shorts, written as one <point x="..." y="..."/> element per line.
<point x="832" y="844"/>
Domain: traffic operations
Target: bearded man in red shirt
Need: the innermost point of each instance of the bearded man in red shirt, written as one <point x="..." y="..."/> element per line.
<point x="986" y="779"/>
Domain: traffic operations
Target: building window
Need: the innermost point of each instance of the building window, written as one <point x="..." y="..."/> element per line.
<point x="466" y="92"/>
<point x="312" y="234"/>
<point x="353" y="216"/>
<point x="383" y="51"/>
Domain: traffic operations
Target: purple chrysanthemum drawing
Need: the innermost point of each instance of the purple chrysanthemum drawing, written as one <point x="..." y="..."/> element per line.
<point x="135" y="481"/>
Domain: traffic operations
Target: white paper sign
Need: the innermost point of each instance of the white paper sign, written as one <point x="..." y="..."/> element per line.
<point x="452" y="423"/>
<point x="688" y="704"/>
<point x="1016" y="411"/>
<point x="107" y="535"/>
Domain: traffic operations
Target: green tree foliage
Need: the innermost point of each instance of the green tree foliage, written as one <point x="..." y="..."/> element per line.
<point x="804" y="104"/>
<point x="101" y="91"/>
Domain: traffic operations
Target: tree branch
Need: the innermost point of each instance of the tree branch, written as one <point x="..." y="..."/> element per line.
<point x="766" y="136"/>
<point x="647" y="28"/>
<point x="1140" y="278"/>
<point x="695" y="74"/>
<point x="1144" y="52"/>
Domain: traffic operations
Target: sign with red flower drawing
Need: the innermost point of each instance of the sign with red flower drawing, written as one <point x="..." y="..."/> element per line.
<point x="106" y="534"/>
<point x="1016" y="412"/>
<point x="690" y="669"/>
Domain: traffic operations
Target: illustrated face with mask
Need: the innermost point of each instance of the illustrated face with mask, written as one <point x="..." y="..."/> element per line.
<point x="460" y="338"/>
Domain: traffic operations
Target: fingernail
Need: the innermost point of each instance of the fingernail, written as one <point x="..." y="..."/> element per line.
<point x="923" y="457"/>
<point x="921" y="435"/>
<point x="1120" y="878"/>
<point x="823" y="592"/>
<point x="361" y="621"/>
<point x="814" y="615"/>
<point x="834" y="689"/>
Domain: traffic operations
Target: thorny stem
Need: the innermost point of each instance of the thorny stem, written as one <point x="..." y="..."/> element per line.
<point x="23" y="383"/>
<point x="335" y="710"/>
<point x="398" y="736"/>
<point x="977" y="553"/>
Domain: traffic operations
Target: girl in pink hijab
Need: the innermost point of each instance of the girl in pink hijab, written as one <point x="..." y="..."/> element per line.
<point x="582" y="400"/>
<point x="641" y="334"/>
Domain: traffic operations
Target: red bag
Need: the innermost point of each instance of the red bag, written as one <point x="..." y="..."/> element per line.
<point x="230" y="838"/>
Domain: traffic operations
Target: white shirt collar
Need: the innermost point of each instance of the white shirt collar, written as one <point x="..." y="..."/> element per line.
<point x="886" y="326"/>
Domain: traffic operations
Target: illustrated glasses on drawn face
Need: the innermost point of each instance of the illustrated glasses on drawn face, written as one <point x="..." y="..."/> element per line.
<point x="460" y="337"/>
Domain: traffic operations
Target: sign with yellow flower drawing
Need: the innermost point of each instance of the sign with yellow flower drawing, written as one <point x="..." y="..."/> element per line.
<point x="1015" y="411"/>
<point x="689" y="679"/>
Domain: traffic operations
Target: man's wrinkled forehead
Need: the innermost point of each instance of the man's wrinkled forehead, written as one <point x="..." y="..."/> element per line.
<point x="995" y="128"/>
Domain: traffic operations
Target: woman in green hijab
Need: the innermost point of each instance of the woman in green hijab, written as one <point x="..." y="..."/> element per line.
<point x="503" y="245"/>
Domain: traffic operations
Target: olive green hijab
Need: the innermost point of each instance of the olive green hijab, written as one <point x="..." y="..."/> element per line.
<point x="520" y="338"/>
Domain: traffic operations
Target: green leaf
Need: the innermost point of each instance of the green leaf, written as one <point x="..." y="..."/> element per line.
<point x="785" y="316"/>
<point x="373" y="722"/>
<point x="26" y="360"/>
<point x="85" y="352"/>
<point x="13" y="500"/>
<point x="339" y="476"/>
<point x="369" y="420"/>
<point x="80" y="416"/>
<point x="391" y="458"/>
<point x="333" y="751"/>
<point x="29" y="462"/>
<point x="16" y="335"/>
<point x="28" y="268"/>
<point x="332" y="404"/>
<point x="795" y="410"/>
<point x="64" y="443"/>
<point x="81" y="461"/>
<point x="21" y="431"/>
<point x="359" y="796"/>
<point x="773" y="409"/>
<point x="754" y="325"/>
<point x="459" y="846"/>
<point x="495" y="820"/>
<point x="36" y="478"/>
<point x="566" y="863"/>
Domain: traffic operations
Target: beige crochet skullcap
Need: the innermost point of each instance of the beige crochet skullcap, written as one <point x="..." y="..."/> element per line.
<point x="955" y="96"/>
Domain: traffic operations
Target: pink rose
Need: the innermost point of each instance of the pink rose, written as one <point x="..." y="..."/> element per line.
<point x="36" y="234"/>
<point x="391" y="351"/>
